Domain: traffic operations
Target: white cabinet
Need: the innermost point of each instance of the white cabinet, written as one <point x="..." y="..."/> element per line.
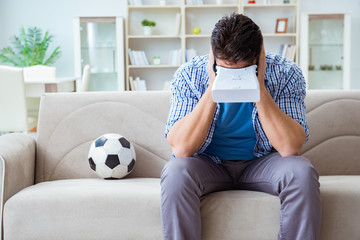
<point x="99" y="42"/>
<point x="170" y="36"/>
<point x="325" y="50"/>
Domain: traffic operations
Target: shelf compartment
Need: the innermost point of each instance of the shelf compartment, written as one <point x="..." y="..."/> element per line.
<point x="201" y="45"/>
<point x="164" y="18"/>
<point x="267" y="22"/>
<point x="195" y="16"/>
<point x="155" y="77"/>
<point x="155" y="47"/>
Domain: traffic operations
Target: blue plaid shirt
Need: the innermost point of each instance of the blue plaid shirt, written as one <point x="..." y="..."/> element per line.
<point x="283" y="80"/>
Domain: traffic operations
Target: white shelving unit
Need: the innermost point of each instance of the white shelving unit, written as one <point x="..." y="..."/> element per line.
<point x="204" y="16"/>
<point x="265" y="13"/>
<point x="325" y="50"/>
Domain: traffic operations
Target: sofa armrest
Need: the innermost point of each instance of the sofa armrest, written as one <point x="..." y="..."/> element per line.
<point x="17" y="164"/>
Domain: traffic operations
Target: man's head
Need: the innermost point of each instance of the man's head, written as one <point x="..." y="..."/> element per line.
<point x="236" y="38"/>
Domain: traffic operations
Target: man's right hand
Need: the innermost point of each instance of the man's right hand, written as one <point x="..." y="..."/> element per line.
<point x="210" y="68"/>
<point x="188" y="134"/>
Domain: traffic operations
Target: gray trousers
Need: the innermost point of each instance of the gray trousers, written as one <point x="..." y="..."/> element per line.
<point x="293" y="179"/>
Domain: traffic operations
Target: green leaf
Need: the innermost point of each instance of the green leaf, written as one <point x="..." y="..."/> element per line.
<point x="7" y="55"/>
<point x="30" y="48"/>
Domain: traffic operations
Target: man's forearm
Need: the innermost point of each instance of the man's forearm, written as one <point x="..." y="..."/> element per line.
<point x="187" y="135"/>
<point x="285" y="134"/>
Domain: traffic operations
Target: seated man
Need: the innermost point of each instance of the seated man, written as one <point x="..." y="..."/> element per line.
<point x="251" y="146"/>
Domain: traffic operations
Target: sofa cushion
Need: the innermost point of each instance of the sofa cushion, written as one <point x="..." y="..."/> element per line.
<point x="85" y="209"/>
<point x="256" y="215"/>
<point x="340" y="204"/>
<point x="130" y="209"/>
<point x="240" y="215"/>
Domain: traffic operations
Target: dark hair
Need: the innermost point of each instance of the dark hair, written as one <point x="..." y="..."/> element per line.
<point x="236" y="38"/>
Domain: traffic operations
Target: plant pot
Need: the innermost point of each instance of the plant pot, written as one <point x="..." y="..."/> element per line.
<point x="147" y="30"/>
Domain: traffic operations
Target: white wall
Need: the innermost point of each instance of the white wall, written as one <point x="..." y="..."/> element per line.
<point x="56" y="16"/>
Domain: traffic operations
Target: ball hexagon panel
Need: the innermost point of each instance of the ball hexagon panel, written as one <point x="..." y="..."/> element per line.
<point x="120" y="170"/>
<point x="112" y="146"/>
<point x="125" y="156"/>
<point x="99" y="155"/>
<point x="103" y="171"/>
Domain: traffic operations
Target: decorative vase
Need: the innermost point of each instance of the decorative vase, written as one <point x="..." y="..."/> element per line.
<point x="162" y="2"/>
<point x="147" y="30"/>
<point x="219" y="2"/>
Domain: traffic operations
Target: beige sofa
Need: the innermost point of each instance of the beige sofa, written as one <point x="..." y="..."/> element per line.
<point x="49" y="192"/>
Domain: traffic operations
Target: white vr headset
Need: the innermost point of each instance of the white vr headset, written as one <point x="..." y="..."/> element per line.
<point x="236" y="84"/>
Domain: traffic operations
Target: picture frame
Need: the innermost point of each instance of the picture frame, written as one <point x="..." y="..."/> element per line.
<point x="281" y="25"/>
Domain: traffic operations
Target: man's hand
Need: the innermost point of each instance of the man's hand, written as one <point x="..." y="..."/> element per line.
<point x="262" y="69"/>
<point x="285" y="134"/>
<point x="210" y="68"/>
<point x="188" y="134"/>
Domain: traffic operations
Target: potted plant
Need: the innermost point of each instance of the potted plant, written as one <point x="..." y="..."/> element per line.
<point x="147" y="25"/>
<point x="29" y="49"/>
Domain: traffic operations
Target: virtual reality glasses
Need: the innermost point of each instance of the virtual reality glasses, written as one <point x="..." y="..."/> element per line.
<point x="236" y="84"/>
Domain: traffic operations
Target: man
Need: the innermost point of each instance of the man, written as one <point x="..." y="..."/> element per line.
<point x="251" y="146"/>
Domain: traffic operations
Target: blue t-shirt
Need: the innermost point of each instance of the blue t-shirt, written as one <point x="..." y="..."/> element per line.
<point x="234" y="136"/>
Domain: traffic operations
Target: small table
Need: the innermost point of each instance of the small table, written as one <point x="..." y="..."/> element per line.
<point x="34" y="87"/>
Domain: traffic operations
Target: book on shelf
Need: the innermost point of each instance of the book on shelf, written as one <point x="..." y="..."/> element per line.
<point x="178" y="24"/>
<point x="137" y="84"/>
<point x="135" y="2"/>
<point x="288" y="51"/>
<point x="189" y="54"/>
<point x="137" y="57"/>
<point x="175" y="57"/>
<point x="132" y="84"/>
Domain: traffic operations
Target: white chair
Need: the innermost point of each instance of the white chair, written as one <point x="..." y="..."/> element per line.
<point x="36" y="72"/>
<point x="39" y="71"/>
<point x="85" y="79"/>
<point x="14" y="117"/>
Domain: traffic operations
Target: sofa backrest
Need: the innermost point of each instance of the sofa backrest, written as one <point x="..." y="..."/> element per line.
<point x="69" y="122"/>
<point x="334" y="124"/>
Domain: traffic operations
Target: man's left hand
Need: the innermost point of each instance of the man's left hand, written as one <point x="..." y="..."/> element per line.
<point x="262" y="68"/>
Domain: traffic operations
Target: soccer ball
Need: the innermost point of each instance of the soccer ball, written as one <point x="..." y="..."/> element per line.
<point x="111" y="156"/>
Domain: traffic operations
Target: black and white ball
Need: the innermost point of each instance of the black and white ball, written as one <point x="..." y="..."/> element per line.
<point x="112" y="156"/>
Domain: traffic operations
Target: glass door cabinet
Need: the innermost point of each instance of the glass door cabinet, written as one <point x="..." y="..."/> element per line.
<point x="325" y="50"/>
<point x="99" y="42"/>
